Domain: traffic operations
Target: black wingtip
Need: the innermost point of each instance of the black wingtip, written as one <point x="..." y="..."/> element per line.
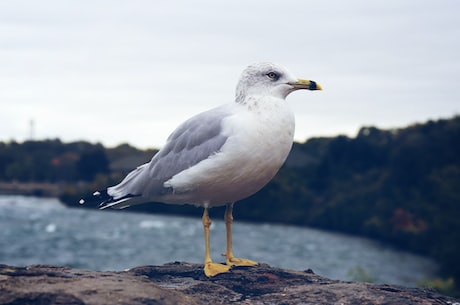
<point x="98" y="198"/>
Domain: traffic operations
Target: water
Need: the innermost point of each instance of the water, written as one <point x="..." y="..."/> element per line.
<point x="42" y="231"/>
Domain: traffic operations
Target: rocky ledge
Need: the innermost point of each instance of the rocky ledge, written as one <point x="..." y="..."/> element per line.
<point x="184" y="283"/>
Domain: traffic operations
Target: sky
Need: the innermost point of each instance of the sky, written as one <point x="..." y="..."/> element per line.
<point x="131" y="71"/>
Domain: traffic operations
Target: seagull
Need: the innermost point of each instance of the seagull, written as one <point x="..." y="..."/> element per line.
<point x="220" y="156"/>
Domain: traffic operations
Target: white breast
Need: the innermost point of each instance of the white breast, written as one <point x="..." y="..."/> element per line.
<point x="260" y="138"/>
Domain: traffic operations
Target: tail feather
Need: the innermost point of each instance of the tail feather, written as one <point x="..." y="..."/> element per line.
<point x="105" y="200"/>
<point x="128" y="192"/>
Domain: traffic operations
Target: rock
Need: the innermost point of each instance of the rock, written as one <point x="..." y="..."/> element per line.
<point x="185" y="283"/>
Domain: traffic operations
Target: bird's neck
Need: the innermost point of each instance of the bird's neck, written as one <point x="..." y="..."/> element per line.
<point x="261" y="102"/>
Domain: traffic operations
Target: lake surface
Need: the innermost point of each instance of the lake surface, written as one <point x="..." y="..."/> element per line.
<point x="43" y="231"/>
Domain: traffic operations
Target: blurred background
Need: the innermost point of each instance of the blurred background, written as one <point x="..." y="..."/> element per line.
<point x="90" y="90"/>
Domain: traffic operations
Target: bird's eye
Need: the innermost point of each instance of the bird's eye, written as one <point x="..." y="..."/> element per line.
<point x="273" y="75"/>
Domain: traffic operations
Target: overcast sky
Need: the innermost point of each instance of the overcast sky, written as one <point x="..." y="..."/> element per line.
<point x="131" y="71"/>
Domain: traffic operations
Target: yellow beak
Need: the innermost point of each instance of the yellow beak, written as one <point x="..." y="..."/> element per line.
<point x="306" y="84"/>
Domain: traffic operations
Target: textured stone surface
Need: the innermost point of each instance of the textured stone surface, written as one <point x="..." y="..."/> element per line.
<point x="184" y="283"/>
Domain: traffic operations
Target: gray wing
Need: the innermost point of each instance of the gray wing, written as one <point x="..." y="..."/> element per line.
<point x="193" y="141"/>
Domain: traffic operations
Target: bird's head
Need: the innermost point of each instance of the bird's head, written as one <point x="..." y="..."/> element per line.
<point x="270" y="79"/>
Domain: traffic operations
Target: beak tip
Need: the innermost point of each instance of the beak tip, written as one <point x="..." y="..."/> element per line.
<point x="315" y="86"/>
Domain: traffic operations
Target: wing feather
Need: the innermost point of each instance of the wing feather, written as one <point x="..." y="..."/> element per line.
<point x="192" y="142"/>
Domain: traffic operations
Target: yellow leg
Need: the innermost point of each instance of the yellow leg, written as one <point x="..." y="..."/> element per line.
<point x="231" y="260"/>
<point x="210" y="268"/>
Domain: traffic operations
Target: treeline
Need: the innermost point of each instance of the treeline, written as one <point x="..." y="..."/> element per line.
<point x="52" y="161"/>
<point x="55" y="161"/>
<point x="401" y="185"/>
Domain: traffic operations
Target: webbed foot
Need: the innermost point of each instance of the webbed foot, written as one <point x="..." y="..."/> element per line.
<point x="233" y="261"/>
<point x="212" y="269"/>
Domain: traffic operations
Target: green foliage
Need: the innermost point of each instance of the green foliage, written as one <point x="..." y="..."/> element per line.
<point x="92" y="162"/>
<point x="358" y="274"/>
<point x="445" y="286"/>
<point x="51" y="161"/>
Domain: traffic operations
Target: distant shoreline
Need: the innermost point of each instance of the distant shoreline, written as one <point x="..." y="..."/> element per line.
<point x="40" y="189"/>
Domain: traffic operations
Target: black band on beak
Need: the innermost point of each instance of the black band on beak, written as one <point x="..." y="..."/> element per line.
<point x="312" y="86"/>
